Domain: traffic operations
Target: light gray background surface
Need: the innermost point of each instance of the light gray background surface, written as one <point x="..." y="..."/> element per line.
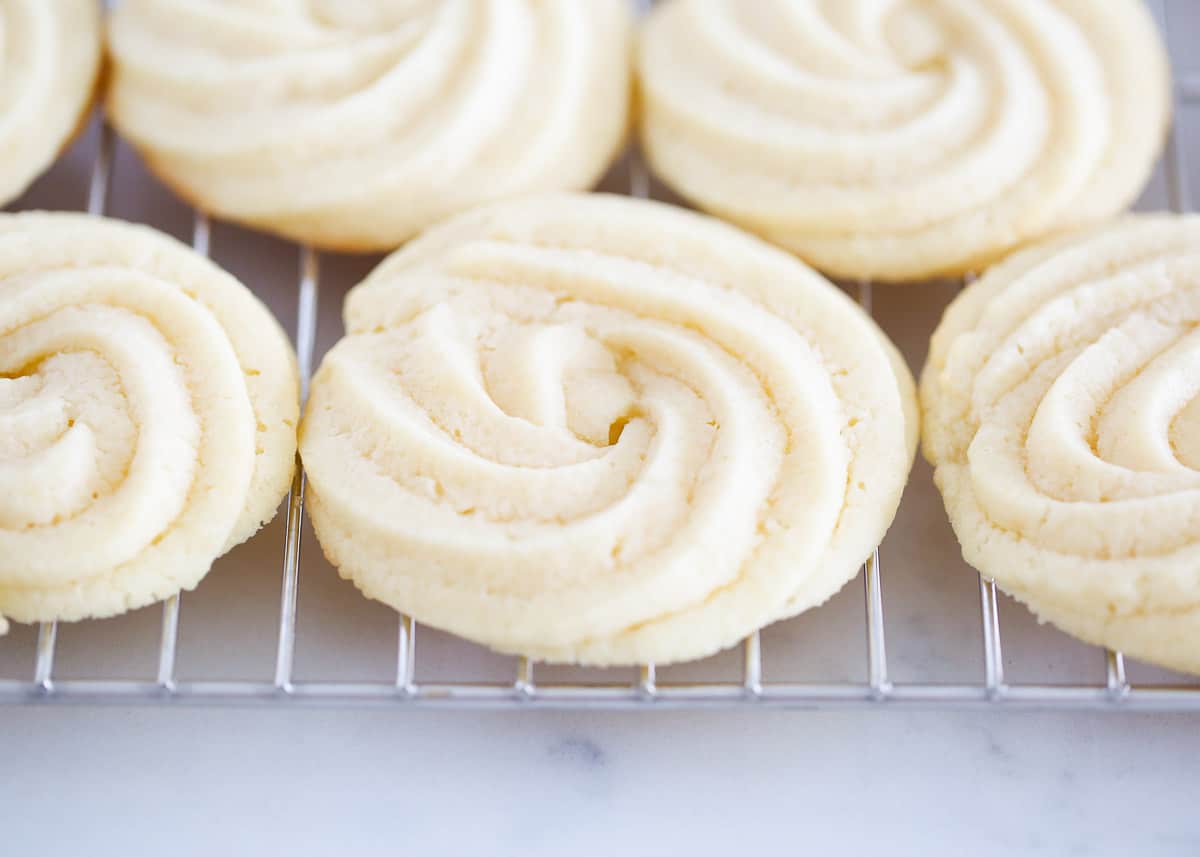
<point x="200" y="782"/>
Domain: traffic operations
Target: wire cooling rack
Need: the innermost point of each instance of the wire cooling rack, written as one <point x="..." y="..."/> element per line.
<point x="734" y="680"/>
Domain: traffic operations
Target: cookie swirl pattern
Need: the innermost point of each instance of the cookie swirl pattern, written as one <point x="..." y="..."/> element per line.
<point x="353" y="125"/>
<point x="594" y="429"/>
<point x="148" y="406"/>
<point x="895" y="140"/>
<point x="49" y="65"/>
<point x="1062" y="412"/>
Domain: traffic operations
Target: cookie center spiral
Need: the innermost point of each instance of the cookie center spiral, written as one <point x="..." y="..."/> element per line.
<point x="99" y="435"/>
<point x="71" y="441"/>
<point x="559" y="376"/>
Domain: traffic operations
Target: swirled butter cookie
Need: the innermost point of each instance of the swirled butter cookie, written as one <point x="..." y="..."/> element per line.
<point x="353" y="125"/>
<point x="603" y="430"/>
<point x="49" y="66"/>
<point x="148" y="405"/>
<point x="898" y="140"/>
<point x="1062" y="414"/>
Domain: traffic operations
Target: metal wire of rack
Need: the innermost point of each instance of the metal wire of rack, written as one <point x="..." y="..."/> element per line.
<point x="524" y="691"/>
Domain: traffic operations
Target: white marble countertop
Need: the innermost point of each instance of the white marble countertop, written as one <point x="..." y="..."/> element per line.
<point x="199" y="781"/>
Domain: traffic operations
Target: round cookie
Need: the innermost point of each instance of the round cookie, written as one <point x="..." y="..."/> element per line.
<point x="901" y="140"/>
<point x="49" y="68"/>
<point x="603" y="430"/>
<point x="353" y="126"/>
<point x="148" y="407"/>
<point x="1062" y="415"/>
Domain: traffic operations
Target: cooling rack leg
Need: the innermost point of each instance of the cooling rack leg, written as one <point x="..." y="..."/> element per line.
<point x="993" y="658"/>
<point x="524" y="686"/>
<point x="752" y="665"/>
<point x="44" y="667"/>
<point x="406" y="655"/>
<point x="877" y="671"/>
<point x="286" y="651"/>
<point x="169" y="641"/>
<point x="647" y="686"/>
<point x="1118" y="685"/>
<point x="306" y="330"/>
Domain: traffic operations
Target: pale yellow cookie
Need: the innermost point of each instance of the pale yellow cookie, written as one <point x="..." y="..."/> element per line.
<point x="901" y="140"/>
<point x="603" y="430"/>
<point x="354" y="125"/>
<point x="50" y="56"/>
<point x="1062" y="415"/>
<point x="148" y="405"/>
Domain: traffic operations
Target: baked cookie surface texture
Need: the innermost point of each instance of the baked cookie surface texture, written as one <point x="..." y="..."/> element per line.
<point x="148" y="405"/>
<point x="49" y="67"/>
<point x="603" y="430"/>
<point x="1062" y="414"/>
<point x="901" y="140"/>
<point x="354" y="125"/>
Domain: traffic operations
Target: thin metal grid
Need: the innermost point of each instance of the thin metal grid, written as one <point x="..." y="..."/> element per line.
<point x="1117" y="693"/>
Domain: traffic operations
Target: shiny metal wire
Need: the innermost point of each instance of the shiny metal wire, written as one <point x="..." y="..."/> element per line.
<point x="645" y="692"/>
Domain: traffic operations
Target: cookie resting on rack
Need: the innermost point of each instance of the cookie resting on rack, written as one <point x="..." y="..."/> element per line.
<point x="148" y="405"/>
<point x="603" y="430"/>
<point x="354" y="125"/>
<point x="49" y="68"/>
<point x="904" y="140"/>
<point x="1062" y="415"/>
